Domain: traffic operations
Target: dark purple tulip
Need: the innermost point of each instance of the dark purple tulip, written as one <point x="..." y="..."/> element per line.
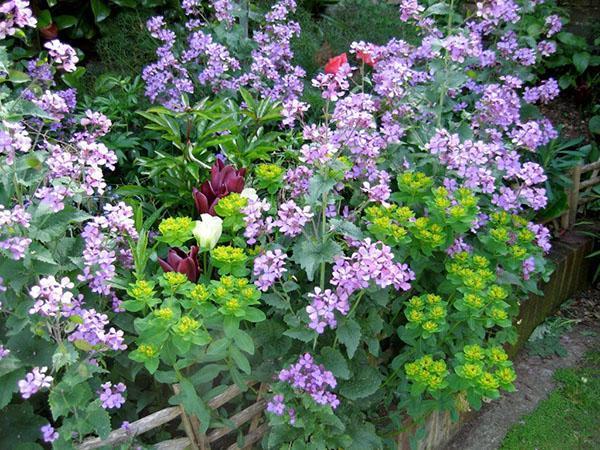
<point x="179" y="261"/>
<point x="223" y="181"/>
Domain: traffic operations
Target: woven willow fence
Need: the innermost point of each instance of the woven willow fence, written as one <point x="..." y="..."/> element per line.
<point x="194" y="439"/>
<point x="580" y="191"/>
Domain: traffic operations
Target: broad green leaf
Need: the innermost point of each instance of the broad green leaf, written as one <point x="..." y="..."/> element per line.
<point x="594" y="125"/>
<point x="348" y="332"/>
<point x="192" y="403"/>
<point x="581" y="61"/>
<point x="99" y="419"/>
<point x="335" y="362"/>
<point x="365" y="381"/>
<point x="309" y="254"/>
<point x="100" y="9"/>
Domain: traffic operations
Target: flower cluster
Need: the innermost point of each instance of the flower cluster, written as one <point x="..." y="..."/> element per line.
<point x="112" y="396"/>
<point x="268" y="268"/>
<point x="306" y="377"/>
<point x="14" y="15"/>
<point x="34" y="381"/>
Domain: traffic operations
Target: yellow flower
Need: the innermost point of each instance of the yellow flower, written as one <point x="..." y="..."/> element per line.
<point x="430" y="326"/>
<point x="526" y="235"/>
<point x="269" y="172"/>
<point x="497" y="293"/>
<point x="241" y="282"/>
<point x="228" y="254"/>
<point x="231" y="204"/>
<point x="147" y="350"/>
<point x="403" y="214"/>
<point x="411" y="369"/>
<point x="471" y="370"/>
<point x="497" y="354"/>
<point x="498" y="314"/>
<point x="474" y="352"/>
<point x="247" y="292"/>
<point x="220" y="292"/>
<point x="457" y="211"/>
<point x="175" y="225"/>
<point x="187" y="325"/>
<point x="164" y="313"/>
<point x="439" y="366"/>
<point x="506" y="375"/>
<point x="500" y="234"/>
<point x="416" y="302"/>
<point x="199" y="293"/>
<point x="435" y="382"/>
<point x="227" y="281"/>
<point x="489" y="381"/>
<point x="175" y="278"/>
<point x="433" y="299"/>
<point x="232" y="305"/>
<point x="481" y="262"/>
<point x="437" y="312"/>
<point x="474" y="301"/>
<point x="518" y="251"/>
<point x="142" y="289"/>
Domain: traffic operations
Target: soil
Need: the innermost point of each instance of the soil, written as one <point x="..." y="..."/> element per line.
<point x="566" y="112"/>
<point x="486" y="430"/>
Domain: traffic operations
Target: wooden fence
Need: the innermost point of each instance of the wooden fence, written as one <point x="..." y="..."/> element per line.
<point x="194" y="439"/>
<point x="580" y="191"/>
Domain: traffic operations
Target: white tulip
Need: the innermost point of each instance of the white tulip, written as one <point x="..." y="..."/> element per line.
<point x="208" y="231"/>
<point x="249" y="193"/>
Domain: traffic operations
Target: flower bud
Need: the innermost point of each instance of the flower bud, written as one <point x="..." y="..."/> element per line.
<point x="208" y="231"/>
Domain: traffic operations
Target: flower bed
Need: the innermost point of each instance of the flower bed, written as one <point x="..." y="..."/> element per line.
<point x="363" y="263"/>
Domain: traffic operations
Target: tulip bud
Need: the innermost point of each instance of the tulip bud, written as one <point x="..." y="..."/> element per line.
<point x="208" y="231"/>
<point x="249" y="193"/>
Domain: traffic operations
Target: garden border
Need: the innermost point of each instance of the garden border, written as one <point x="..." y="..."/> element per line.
<point x="570" y="275"/>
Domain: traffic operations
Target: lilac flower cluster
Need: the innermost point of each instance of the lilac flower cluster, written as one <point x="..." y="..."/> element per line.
<point x="63" y="55"/>
<point x="105" y="242"/>
<point x="268" y="268"/>
<point x="305" y="377"/>
<point x="92" y="330"/>
<point x="292" y="218"/>
<point x="546" y="92"/>
<point x="49" y="434"/>
<point x="297" y="179"/>
<point x="4" y="352"/>
<point x="256" y="225"/>
<point x="14" y="15"/>
<point x="271" y="72"/>
<point x="112" y="396"/>
<point x="372" y="261"/>
<point x="34" y="381"/>
<point x="321" y="310"/>
<point x="11" y="221"/>
<point x="13" y="138"/>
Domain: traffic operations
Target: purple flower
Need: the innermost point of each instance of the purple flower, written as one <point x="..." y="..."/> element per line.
<point x="17" y="14"/>
<point x="63" y="55"/>
<point x="268" y="268"/>
<point x="4" y="352"/>
<point x="528" y="267"/>
<point x="256" y="226"/>
<point x="410" y="9"/>
<point x="276" y="405"/>
<point x="312" y="379"/>
<point x="34" y="381"/>
<point x="111" y="396"/>
<point x="179" y="261"/>
<point x="554" y="25"/>
<point x="292" y="218"/>
<point x="322" y="307"/>
<point x="48" y="433"/>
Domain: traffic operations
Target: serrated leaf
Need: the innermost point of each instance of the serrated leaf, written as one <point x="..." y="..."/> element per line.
<point x="309" y="254"/>
<point x="192" y="403"/>
<point x="99" y="419"/>
<point x="364" y="382"/>
<point x="348" y="332"/>
<point x="335" y="362"/>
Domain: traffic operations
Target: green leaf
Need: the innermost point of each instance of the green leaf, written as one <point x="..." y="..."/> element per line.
<point x="302" y="333"/>
<point x="240" y="360"/>
<point x="349" y="334"/>
<point x="309" y="254"/>
<point x="254" y="315"/>
<point x="244" y="341"/>
<point x="65" y="21"/>
<point x="335" y="362"/>
<point x="364" y="437"/>
<point x="207" y="373"/>
<point x="100" y="9"/>
<point x="364" y="382"/>
<point x="192" y="403"/>
<point x="581" y="61"/>
<point x="99" y="419"/>
<point x="44" y="19"/>
<point x="594" y="125"/>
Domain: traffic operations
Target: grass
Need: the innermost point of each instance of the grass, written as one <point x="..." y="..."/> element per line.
<point x="569" y="418"/>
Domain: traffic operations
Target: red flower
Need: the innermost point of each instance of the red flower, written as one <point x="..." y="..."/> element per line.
<point x="334" y="64"/>
<point x="181" y="262"/>
<point x="223" y="180"/>
<point x="365" y="57"/>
